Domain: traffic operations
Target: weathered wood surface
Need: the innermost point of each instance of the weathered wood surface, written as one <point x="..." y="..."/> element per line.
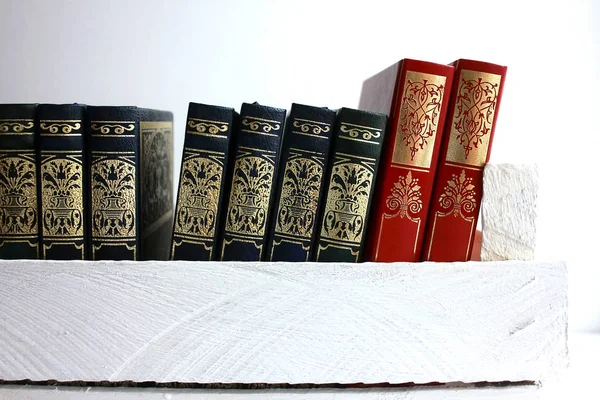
<point x="282" y="323"/>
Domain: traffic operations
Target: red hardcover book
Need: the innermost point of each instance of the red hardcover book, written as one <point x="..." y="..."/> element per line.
<point x="415" y="94"/>
<point x="466" y="147"/>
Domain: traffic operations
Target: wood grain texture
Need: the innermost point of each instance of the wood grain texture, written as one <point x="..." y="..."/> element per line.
<point x="282" y="322"/>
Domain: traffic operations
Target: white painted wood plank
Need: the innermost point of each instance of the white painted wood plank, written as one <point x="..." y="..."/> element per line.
<point x="95" y="393"/>
<point x="508" y="212"/>
<point x="282" y="323"/>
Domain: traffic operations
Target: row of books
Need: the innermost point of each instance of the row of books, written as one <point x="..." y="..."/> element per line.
<point x="348" y="186"/>
<point x="319" y="185"/>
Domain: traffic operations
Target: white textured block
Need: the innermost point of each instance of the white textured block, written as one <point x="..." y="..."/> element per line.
<point x="282" y="322"/>
<point x="509" y="212"/>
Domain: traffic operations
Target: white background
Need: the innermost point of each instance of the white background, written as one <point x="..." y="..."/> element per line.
<point x="164" y="54"/>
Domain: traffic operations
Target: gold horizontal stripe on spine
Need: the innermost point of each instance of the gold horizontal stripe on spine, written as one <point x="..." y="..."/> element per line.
<point x="359" y="140"/>
<point x="208" y="120"/>
<point x="340" y="242"/>
<point x="262" y="119"/>
<point x="315" y="122"/>
<point x="20" y="151"/>
<point x="300" y="240"/>
<point x="354" y="156"/>
<point x="309" y="134"/>
<point x="192" y="150"/>
<point x="465" y="166"/>
<point x="7" y="237"/>
<point x="52" y="152"/>
<point x="16" y="119"/>
<point x="113" y="152"/>
<point x="258" y="133"/>
<point x="261" y="150"/>
<point x="122" y="239"/>
<point x="205" y="134"/>
<point x="16" y="133"/>
<point x="411" y="168"/>
<point x="61" y="134"/>
<point x="113" y="122"/>
<point x="114" y="136"/>
<point x="187" y="236"/>
<point x="306" y="151"/>
<point x="361" y="126"/>
<point x="60" y="120"/>
<point x="240" y="236"/>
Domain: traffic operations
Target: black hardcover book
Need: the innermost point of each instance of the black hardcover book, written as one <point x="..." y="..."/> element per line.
<point x="19" y="219"/>
<point x="129" y="152"/>
<point x="350" y="180"/>
<point x="202" y="182"/>
<point x="304" y="155"/>
<point x="61" y="181"/>
<point x="256" y="157"/>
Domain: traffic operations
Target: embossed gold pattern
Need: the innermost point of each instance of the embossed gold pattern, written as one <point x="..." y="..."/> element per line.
<point x="347" y="200"/>
<point x="113" y="198"/>
<point x="259" y="125"/>
<point x="18" y="201"/>
<point x="308" y="126"/>
<point x="199" y="196"/>
<point x="459" y="196"/>
<point x="420" y="108"/>
<point x="63" y="126"/>
<point x="405" y="197"/>
<point x="62" y="197"/>
<point x="15" y="126"/>
<point x="299" y="196"/>
<point x="250" y="193"/>
<point x="356" y="131"/>
<point x="206" y="126"/>
<point x="112" y="127"/>
<point x="476" y="104"/>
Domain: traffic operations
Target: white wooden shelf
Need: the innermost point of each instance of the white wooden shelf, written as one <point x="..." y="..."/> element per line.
<point x="283" y="322"/>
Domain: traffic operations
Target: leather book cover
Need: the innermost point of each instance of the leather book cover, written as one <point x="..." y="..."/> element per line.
<point x="19" y="218"/>
<point x="252" y="182"/>
<point x="156" y="183"/>
<point x="304" y="156"/>
<point x="415" y="94"/>
<point x="62" y="181"/>
<point x="350" y="183"/>
<point x="200" y="197"/>
<point x="113" y="143"/>
<point x="466" y="147"/>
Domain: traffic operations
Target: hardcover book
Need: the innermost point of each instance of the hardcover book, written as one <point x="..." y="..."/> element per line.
<point x="130" y="173"/>
<point x="255" y="162"/>
<point x="415" y="94"/>
<point x="468" y="135"/>
<point x="61" y="184"/>
<point x="202" y="182"/>
<point x="304" y="156"/>
<point x="19" y="219"/>
<point x="350" y="184"/>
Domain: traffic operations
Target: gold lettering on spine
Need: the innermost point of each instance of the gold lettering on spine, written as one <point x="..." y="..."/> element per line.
<point x="420" y="106"/>
<point x="473" y="117"/>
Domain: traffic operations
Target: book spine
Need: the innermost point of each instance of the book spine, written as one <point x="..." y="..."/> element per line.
<point x="156" y="183"/>
<point x="19" y="217"/>
<point x="200" y="196"/>
<point x="61" y="181"/>
<point x="350" y="180"/>
<point x="114" y="176"/>
<point x="256" y="153"/>
<point x="409" y="160"/>
<point x="304" y="156"/>
<point x="469" y="131"/>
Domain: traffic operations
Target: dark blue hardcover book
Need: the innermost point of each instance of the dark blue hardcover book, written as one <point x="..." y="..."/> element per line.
<point x="200" y="198"/>
<point x="304" y="156"/>
<point x="130" y="157"/>
<point x="19" y="215"/>
<point x="62" y="181"/>
<point x="355" y="153"/>
<point x="252" y="182"/>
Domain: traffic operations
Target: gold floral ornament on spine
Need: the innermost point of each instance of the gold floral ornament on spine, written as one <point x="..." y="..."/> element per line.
<point x="473" y="117"/>
<point x="62" y="126"/>
<point x="308" y="126"/>
<point x="206" y="126"/>
<point x="259" y="125"/>
<point x="112" y="127"/>
<point x="355" y="131"/>
<point x="405" y="197"/>
<point x="420" y="108"/>
<point x="18" y="202"/>
<point x="15" y="126"/>
<point x="458" y="198"/>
